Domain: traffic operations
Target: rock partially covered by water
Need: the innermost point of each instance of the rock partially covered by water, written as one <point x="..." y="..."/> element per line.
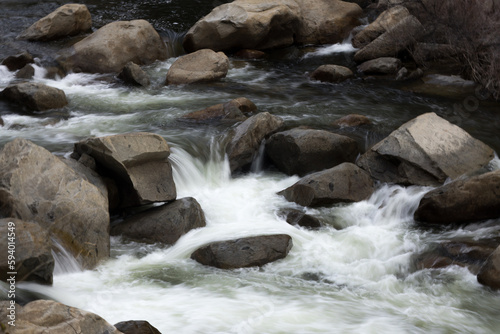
<point x="110" y="48"/>
<point x="33" y="255"/>
<point x="134" y="75"/>
<point x="425" y="151"/>
<point x="302" y="151"/>
<point x="244" y="252"/>
<point x="165" y="224"/>
<point x="331" y="73"/>
<point x="344" y="183"/>
<point x="136" y="327"/>
<point x="450" y="86"/>
<point x="67" y="20"/>
<point x="236" y="110"/>
<point x="200" y="66"/>
<point x="462" y="201"/>
<point x="247" y="138"/>
<point x="138" y="161"/>
<point x="300" y="218"/>
<point x="489" y="274"/>
<point x="352" y="120"/>
<point x="384" y="65"/>
<point x="48" y="316"/>
<point x="37" y="186"/>
<point x="35" y="96"/>
<point x="18" y="61"/>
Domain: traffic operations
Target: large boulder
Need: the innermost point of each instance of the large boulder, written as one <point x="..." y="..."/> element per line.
<point x="165" y="224"/>
<point x="48" y="316"/>
<point x="401" y="36"/>
<point x="344" y="183"/>
<point x="138" y="161"/>
<point x="30" y="247"/>
<point x="461" y="201"/>
<point x="425" y="151"/>
<point x="35" y="96"/>
<point x="110" y="48"/>
<point x="384" y="65"/>
<point x="36" y="186"/>
<point x="489" y="274"/>
<point x="331" y="73"/>
<point x="136" y="327"/>
<point x="244" y="252"/>
<point x="200" y="66"/>
<point x="302" y="151"/>
<point x="235" y="110"/>
<point x="67" y="20"/>
<point x="247" y="138"/>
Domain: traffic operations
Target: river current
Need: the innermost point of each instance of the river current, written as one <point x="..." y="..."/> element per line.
<point x="356" y="274"/>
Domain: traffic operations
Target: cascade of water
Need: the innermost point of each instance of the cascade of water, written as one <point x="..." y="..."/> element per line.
<point x="64" y="261"/>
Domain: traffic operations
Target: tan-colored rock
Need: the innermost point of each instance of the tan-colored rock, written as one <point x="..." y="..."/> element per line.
<point x="200" y="66"/>
<point x="384" y="65"/>
<point x="352" y="120"/>
<point x="235" y="110"/>
<point x="331" y="73"/>
<point x="489" y="274"/>
<point x="35" y="96"/>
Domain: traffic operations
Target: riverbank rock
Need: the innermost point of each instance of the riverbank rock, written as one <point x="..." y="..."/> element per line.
<point x="425" y="151"/>
<point x="165" y="224"/>
<point x="352" y="120"/>
<point x="38" y="187"/>
<point x="48" y="316"/>
<point x="35" y="96"/>
<point x="244" y="252"/>
<point x="138" y="162"/>
<point x="384" y="65"/>
<point x="67" y="20"/>
<point x="136" y="327"/>
<point x="300" y="218"/>
<point x="344" y="183"/>
<point x="33" y="256"/>
<point x="200" y="66"/>
<point x="18" y="61"/>
<point x="450" y="86"/>
<point x="401" y="36"/>
<point x="236" y="110"/>
<point x="247" y="139"/>
<point x="302" y="151"/>
<point x="489" y="274"/>
<point x="462" y="201"/>
<point x="331" y="73"/>
<point x="110" y="48"/>
<point x="134" y="75"/>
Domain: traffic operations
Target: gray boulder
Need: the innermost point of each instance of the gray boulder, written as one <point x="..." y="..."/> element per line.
<point x="300" y="218"/>
<point x="35" y="96"/>
<point x="38" y="187"/>
<point x="462" y="201"/>
<point x="384" y="65"/>
<point x="302" y="151"/>
<point x="489" y="274"/>
<point x="235" y="110"/>
<point x="165" y="224"/>
<point x="331" y="73"/>
<point x="136" y="327"/>
<point x="244" y="252"/>
<point x="425" y="151"/>
<point x="344" y="183"/>
<point x="200" y="66"/>
<point x="18" y="61"/>
<point x="67" y="20"/>
<point x="33" y="255"/>
<point x="134" y="75"/>
<point x="27" y="72"/>
<point x="138" y="161"/>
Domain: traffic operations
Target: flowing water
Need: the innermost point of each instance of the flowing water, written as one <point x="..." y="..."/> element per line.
<point x="354" y="275"/>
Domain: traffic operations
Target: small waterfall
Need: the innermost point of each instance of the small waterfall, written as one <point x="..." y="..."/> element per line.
<point x="173" y="40"/>
<point x="258" y="161"/>
<point x="64" y="261"/>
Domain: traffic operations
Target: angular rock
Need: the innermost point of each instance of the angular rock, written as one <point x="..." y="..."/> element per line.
<point x="17" y="62"/>
<point x="48" y="316"/>
<point x="134" y="75"/>
<point x="489" y="274"/>
<point x="200" y="66"/>
<point x="331" y="73"/>
<point x="236" y="109"/>
<point x="27" y="72"/>
<point x="33" y="256"/>
<point x="300" y="218"/>
<point x="244" y="252"/>
<point x="352" y="120"/>
<point x="136" y="327"/>
<point x="247" y="138"/>
<point x="425" y="151"/>
<point x="165" y="224"/>
<point x="138" y="161"/>
<point x="302" y="151"/>
<point x="384" y="65"/>
<point x="344" y="183"/>
<point x="384" y="22"/>
<point x="110" y="48"/>
<point x="67" y="20"/>
<point x="465" y="200"/>
<point x="404" y="34"/>
<point x="87" y="173"/>
<point x="35" y="96"/>
<point x="37" y="186"/>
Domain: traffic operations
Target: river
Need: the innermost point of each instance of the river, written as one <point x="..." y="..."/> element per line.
<point x="354" y="275"/>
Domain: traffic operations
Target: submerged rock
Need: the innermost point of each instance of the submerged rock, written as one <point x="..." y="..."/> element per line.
<point x="165" y="224"/>
<point x="200" y="66"/>
<point x="352" y="120"/>
<point x="384" y="65"/>
<point x="425" y="151"/>
<point x="489" y="274"/>
<point x="235" y="110"/>
<point x="344" y="183"/>
<point x="35" y="96"/>
<point x="18" y="61"/>
<point x="301" y="151"/>
<point x="450" y="86"/>
<point x="67" y="20"/>
<point x="244" y="252"/>
<point x="134" y="75"/>
<point x="331" y="73"/>
<point x="300" y="218"/>
<point x="136" y="327"/>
